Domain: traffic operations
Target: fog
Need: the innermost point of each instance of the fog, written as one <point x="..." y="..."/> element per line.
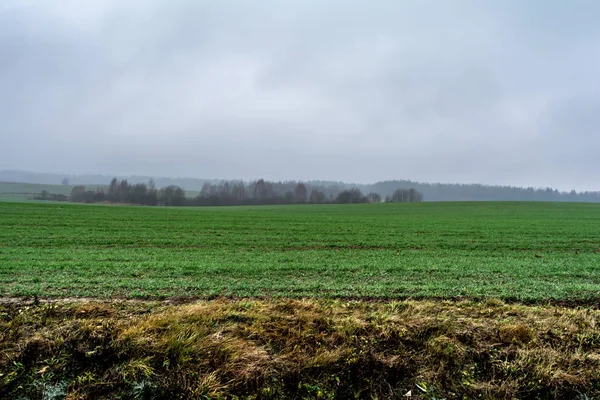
<point x="358" y="91"/>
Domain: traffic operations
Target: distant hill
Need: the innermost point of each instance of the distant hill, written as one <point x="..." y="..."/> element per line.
<point x="430" y="191"/>
<point x="93" y="179"/>
<point x="26" y="191"/>
<point x="19" y="191"/>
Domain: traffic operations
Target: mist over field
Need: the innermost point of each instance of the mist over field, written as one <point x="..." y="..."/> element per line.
<point x="500" y="93"/>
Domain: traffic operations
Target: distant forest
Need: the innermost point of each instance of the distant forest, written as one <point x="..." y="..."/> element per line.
<point x="259" y="192"/>
<point x="429" y="191"/>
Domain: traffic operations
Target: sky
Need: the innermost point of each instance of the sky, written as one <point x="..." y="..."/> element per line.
<point x="469" y="91"/>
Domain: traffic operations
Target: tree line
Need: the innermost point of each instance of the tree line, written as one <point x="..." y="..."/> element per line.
<point x="430" y="191"/>
<point x="229" y="193"/>
<point x="479" y="192"/>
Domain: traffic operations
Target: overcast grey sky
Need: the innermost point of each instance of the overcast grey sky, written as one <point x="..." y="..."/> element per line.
<point x="500" y="92"/>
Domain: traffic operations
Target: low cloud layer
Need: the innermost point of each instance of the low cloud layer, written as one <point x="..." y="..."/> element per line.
<point x="463" y="91"/>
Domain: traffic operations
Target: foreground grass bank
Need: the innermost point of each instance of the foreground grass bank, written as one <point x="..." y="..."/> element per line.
<point x="284" y="348"/>
<point x="523" y="251"/>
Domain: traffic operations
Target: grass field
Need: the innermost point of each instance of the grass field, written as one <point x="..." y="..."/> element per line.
<point x="301" y="323"/>
<point x="520" y="251"/>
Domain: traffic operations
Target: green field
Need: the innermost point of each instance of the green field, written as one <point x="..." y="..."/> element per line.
<point x="314" y="346"/>
<point x="524" y="251"/>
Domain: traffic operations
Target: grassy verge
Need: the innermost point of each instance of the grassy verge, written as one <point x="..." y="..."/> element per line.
<point x="305" y="348"/>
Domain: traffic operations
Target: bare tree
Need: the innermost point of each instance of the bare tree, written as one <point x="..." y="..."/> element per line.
<point x="238" y="192"/>
<point x="350" y="196"/>
<point x="300" y="193"/>
<point x="224" y="190"/>
<point x="317" y="197"/>
<point x="123" y="191"/>
<point x="113" y="190"/>
<point x="172" y="196"/>
<point x="406" y="196"/>
<point x="374" y="197"/>
<point x="260" y="189"/>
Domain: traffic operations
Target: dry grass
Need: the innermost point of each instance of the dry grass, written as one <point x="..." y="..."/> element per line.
<point x="276" y="349"/>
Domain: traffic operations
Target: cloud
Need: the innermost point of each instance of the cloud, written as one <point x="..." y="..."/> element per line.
<point x="359" y="91"/>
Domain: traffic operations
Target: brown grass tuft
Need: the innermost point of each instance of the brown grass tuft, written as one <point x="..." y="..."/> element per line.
<point x="515" y="333"/>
